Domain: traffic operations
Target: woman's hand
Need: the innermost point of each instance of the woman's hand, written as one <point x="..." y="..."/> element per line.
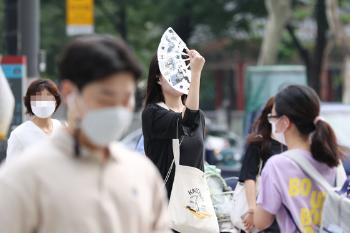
<point x="196" y="61"/>
<point x="248" y="221"/>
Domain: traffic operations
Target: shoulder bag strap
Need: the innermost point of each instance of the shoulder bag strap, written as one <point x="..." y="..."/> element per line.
<point x="306" y="166"/>
<point x="173" y="162"/>
<point x="260" y="167"/>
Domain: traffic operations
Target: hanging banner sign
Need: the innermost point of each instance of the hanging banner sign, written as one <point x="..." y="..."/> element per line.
<point x="80" y="17"/>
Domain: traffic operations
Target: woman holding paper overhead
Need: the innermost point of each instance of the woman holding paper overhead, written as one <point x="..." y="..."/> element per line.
<point x="170" y="114"/>
<point x="173" y="125"/>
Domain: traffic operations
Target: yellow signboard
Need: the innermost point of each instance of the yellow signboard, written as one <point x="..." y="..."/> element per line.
<point x="80" y="16"/>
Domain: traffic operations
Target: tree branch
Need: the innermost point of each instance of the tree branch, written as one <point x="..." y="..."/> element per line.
<point x="303" y="53"/>
<point x="279" y="13"/>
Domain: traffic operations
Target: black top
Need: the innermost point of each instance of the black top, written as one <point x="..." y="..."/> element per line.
<point x="159" y="128"/>
<point x="250" y="167"/>
<point x="253" y="156"/>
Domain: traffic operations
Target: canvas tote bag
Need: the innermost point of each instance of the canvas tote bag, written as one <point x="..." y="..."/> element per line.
<point x="240" y="204"/>
<point x="190" y="207"/>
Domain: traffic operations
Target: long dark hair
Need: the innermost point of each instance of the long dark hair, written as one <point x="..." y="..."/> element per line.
<point x="301" y="105"/>
<point x="261" y="130"/>
<point x="154" y="92"/>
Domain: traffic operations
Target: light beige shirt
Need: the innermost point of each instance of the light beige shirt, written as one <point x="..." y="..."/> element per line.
<point x="49" y="190"/>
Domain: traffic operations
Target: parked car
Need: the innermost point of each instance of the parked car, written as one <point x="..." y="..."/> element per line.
<point x="224" y="150"/>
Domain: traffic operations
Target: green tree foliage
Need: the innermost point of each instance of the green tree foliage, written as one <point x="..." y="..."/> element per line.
<point x="141" y="22"/>
<point x="53" y="33"/>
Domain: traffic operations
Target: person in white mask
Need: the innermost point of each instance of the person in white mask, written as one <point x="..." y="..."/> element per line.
<point x="81" y="179"/>
<point x="287" y="193"/>
<point x="41" y="101"/>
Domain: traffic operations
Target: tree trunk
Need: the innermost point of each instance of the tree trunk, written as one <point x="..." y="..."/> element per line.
<point x="341" y="38"/>
<point x="183" y="24"/>
<point x="122" y="23"/>
<point x="324" y="77"/>
<point x="279" y="13"/>
<point x="303" y="52"/>
<point x="320" y="47"/>
<point x="314" y="63"/>
<point x="346" y="78"/>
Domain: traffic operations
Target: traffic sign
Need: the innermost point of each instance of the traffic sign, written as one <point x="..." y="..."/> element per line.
<point x="79" y="17"/>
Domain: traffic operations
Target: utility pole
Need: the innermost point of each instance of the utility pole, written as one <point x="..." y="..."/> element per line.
<point x="29" y="34"/>
<point x="11" y="27"/>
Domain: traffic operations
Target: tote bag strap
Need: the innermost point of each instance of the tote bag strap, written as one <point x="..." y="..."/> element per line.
<point x="169" y="172"/>
<point x="176" y="152"/>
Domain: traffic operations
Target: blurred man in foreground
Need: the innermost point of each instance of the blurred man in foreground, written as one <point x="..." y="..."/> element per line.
<point x="79" y="180"/>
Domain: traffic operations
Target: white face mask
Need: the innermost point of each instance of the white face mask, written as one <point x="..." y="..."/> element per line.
<point x="43" y="109"/>
<point x="277" y="136"/>
<point x="102" y="126"/>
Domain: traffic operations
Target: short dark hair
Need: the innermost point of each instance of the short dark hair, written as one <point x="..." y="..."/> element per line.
<point x="154" y="92"/>
<point x="301" y="105"/>
<point x="38" y="86"/>
<point x="94" y="57"/>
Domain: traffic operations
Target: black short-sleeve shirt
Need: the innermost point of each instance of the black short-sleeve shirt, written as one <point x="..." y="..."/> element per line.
<point x="160" y="126"/>
<point x="253" y="156"/>
<point x="251" y="163"/>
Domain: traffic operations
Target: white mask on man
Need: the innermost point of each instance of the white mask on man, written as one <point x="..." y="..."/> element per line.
<point x="102" y="126"/>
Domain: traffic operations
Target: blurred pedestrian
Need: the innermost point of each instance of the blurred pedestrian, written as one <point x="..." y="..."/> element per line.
<point x="261" y="145"/>
<point x="287" y="193"/>
<point x="41" y="102"/>
<point x="79" y="180"/>
<point x="7" y="105"/>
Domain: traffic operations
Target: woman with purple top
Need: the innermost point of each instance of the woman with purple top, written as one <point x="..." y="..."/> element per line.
<point x="287" y="193"/>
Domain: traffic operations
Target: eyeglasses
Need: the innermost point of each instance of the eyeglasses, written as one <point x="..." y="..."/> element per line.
<point x="270" y="117"/>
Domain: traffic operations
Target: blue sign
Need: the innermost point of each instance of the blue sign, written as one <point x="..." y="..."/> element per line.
<point x="13" y="71"/>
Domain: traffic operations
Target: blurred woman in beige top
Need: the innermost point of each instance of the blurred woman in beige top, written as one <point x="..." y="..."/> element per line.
<point x="80" y="180"/>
